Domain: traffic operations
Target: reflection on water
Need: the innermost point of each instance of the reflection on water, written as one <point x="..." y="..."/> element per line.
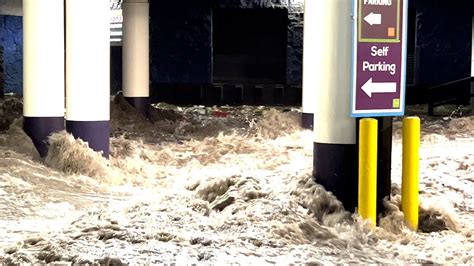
<point x="221" y="185"/>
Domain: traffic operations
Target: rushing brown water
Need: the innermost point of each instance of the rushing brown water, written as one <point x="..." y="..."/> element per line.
<point x="221" y="185"/>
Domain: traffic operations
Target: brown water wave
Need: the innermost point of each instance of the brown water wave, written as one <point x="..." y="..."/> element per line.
<point x="219" y="185"/>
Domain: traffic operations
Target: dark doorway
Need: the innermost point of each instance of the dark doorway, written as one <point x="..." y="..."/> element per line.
<point x="249" y="45"/>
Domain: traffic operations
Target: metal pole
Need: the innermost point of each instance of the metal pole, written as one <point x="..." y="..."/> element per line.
<point x="410" y="169"/>
<point x="384" y="162"/>
<point x="367" y="206"/>
<point x="384" y="159"/>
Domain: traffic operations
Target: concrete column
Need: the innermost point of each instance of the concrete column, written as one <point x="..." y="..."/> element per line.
<point x="335" y="149"/>
<point x="88" y="71"/>
<point x="43" y="70"/>
<point x="135" y="53"/>
<point x="310" y="44"/>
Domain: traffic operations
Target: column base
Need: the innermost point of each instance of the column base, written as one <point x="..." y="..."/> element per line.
<point x="140" y="103"/>
<point x="40" y="128"/>
<point x="96" y="133"/>
<point x="308" y="121"/>
<point x="335" y="167"/>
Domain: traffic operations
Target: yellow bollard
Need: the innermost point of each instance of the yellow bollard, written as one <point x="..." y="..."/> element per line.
<point x="367" y="206"/>
<point x="411" y="157"/>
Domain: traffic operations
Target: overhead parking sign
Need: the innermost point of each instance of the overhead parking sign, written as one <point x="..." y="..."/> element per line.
<point x="379" y="52"/>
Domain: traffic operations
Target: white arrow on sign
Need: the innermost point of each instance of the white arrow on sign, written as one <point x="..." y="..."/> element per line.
<point x="379" y="87"/>
<point x="373" y="19"/>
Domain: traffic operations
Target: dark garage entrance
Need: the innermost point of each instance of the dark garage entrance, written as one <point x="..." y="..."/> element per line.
<point x="249" y="45"/>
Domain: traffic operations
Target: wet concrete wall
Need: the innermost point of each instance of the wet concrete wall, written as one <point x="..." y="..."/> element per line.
<point x="11" y="39"/>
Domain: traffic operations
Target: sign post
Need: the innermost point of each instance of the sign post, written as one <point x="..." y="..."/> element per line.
<point x="379" y="52"/>
<point x="378" y="75"/>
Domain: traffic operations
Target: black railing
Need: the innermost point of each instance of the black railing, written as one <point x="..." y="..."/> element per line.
<point x="453" y="92"/>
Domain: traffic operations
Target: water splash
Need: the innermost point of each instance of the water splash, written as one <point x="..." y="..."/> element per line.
<point x="191" y="186"/>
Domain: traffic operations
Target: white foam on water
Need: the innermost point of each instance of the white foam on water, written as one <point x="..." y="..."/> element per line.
<point x="222" y="185"/>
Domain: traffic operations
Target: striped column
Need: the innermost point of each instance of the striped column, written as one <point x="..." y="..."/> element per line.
<point x="135" y="54"/>
<point x="43" y="70"/>
<point x="335" y="149"/>
<point x="88" y="72"/>
<point x="310" y="44"/>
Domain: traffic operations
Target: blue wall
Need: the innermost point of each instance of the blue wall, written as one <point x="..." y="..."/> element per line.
<point x="11" y="38"/>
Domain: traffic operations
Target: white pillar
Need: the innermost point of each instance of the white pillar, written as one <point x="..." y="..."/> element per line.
<point x="310" y="44"/>
<point x="43" y="70"/>
<point x="135" y="53"/>
<point x="335" y="151"/>
<point x="88" y="71"/>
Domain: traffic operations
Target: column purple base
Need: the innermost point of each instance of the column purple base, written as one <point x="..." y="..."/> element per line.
<point x="140" y="103"/>
<point x="96" y="133"/>
<point x="308" y="120"/>
<point x="335" y="167"/>
<point x="39" y="129"/>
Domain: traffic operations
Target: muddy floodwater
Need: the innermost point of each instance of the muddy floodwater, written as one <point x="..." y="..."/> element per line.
<point x="220" y="185"/>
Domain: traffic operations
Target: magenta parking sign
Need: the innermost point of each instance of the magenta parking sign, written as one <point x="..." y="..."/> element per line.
<point x="379" y="52"/>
